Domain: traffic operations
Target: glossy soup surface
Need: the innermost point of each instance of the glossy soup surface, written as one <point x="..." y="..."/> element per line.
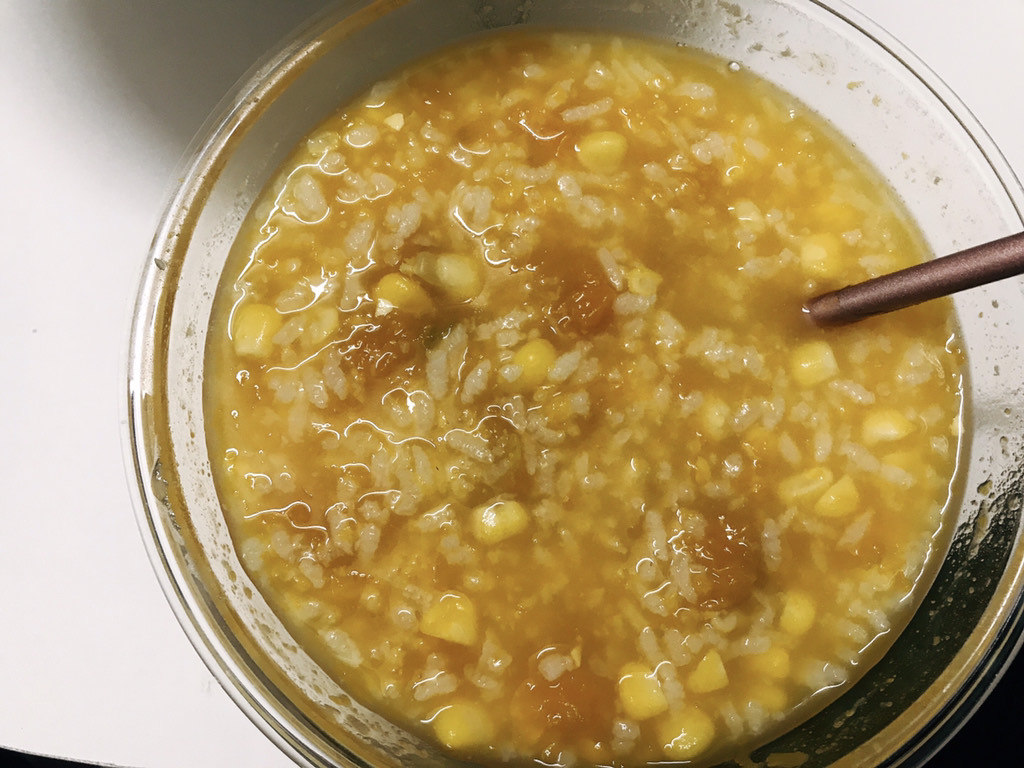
<point x="518" y="425"/>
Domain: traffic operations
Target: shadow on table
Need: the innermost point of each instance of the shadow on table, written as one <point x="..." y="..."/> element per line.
<point x="175" y="61"/>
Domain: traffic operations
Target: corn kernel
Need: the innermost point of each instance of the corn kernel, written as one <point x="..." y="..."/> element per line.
<point x="493" y="523"/>
<point x="643" y="281"/>
<point x="396" y="291"/>
<point x="773" y="663"/>
<point x="640" y="692"/>
<point x="395" y="121"/>
<point x="771" y="697"/>
<point x="820" y="255"/>
<point x="602" y="151"/>
<point x="324" y="320"/>
<point x="840" y="500"/>
<point x="810" y="483"/>
<point x="255" y="326"/>
<point x="535" y="360"/>
<point x="909" y="461"/>
<point x="839" y="217"/>
<point x="462" y="725"/>
<point x="797" y="613"/>
<point x="885" y="425"/>
<point x="813" y="363"/>
<point x="714" y="415"/>
<point x="756" y="441"/>
<point x="750" y="215"/>
<point x="685" y="734"/>
<point x="452" y="618"/>
<point x="459" y="275"/>
<point x="709" y="674"/>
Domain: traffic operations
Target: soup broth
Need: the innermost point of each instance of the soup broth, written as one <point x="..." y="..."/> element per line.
<point x="518" y="425"/>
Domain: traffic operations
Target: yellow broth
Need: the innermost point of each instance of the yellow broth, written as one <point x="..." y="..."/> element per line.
<point x="517" y="423"/>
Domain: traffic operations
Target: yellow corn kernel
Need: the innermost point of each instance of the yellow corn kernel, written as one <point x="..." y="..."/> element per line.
<point x="750" y="216"/>
<point x="602" y="151"/>
<point x="396" y="120"/>
<point x="771" y="697"/>
<point x="493" y="523"/>
<point x="685" y="734"/>
<point x="462" y="725"/>
<point x="810" y="483"/>
<point x="797" y="613"/>
<point x="820" y="255"/>
<point x="535" y="359"/>
<point x="643" y="281"/>
<point x="839" y="500"/>
<point x="255" y="326"/>
<point x="452" y="618"/>
<point x="757" y="440"/>
<point x="885" y="425"/>
<point x="773" y="663"/>
<point x="559" y="409"/>
<point x="813" y="363"/>
<point x="324" y="320"/>
<point x="714" y="415"/>
<point x="396" y="291"/>
<point x="459" y="275"/>
<point x="640" y="692"/>
<point x="839" y="217"/>
<point x="709" y="674"/>
<point x="909" y="461"/>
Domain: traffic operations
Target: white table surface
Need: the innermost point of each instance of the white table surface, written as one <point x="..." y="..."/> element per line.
<point x="100" y="98"/>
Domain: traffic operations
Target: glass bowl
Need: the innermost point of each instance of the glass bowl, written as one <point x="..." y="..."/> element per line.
<point x="888" y="105"/>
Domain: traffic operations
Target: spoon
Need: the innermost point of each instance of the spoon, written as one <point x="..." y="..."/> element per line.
<point x="975" y="266"/>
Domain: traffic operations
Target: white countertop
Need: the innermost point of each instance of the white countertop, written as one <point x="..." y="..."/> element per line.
<point x="100" y="99"/>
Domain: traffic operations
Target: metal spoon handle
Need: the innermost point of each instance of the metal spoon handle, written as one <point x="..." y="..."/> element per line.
<point x="975" y="266"/>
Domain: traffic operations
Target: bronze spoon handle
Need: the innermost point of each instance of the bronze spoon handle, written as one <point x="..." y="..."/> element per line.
<point x="975" y="266"/>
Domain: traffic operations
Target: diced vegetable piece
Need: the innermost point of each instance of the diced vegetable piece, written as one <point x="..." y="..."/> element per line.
<point x="798" y="613"/>
<point x="714" y="415"/>
<point x="643" y="281"/>
<point x="535" y="358"/>
<point x="640" y="692"/>
<point x="885" y="425"/>
<point x="840" y="500"/>
<point x="773" y="663"/>
<point x="813" y="363"/>
<point x="463" y="725"/>
<point x="747" y="212"/>
<point x="585" y="296"/>
<point x="808" y="484"/>
<point x="685" y="734"/>
<point x="459" y="275"/>
<point x="820" y="255"/>
<point x="709" y="674"/>
<point x="397" y="291"/>
<point x="772" y="697"/>
<point x="493" y="523"/>
<point x="255" y="326"/>
<point x="396" y="120"/>
<point x="452" y="618"/>
<point x="838" y="217"/>
<point x="602" y="151"/>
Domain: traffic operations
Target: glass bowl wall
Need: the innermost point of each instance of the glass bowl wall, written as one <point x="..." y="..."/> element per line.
<point x="890" y="107"/>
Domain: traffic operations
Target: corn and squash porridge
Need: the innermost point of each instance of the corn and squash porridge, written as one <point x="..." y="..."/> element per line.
<point x="518" y="426"/>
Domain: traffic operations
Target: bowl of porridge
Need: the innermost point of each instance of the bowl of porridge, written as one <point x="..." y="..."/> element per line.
<point x="476" y="420"/>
